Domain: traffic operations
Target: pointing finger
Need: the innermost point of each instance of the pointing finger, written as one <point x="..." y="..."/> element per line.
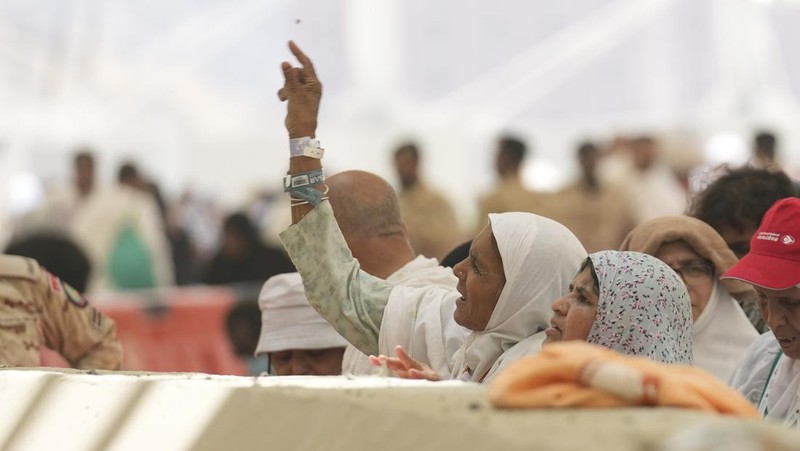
<point x="308" y="66"/>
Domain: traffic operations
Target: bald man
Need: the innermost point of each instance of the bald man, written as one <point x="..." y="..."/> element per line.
<point x="367" y="210"/>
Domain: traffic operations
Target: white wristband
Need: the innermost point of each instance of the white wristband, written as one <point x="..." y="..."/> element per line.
<point x="305" y="147"/>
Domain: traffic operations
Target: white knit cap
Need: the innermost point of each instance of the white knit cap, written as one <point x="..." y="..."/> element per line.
<point x="288" y="321"/>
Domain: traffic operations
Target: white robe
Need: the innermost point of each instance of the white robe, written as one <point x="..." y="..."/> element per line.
<point x="540" y="259"/>
<point x="420" y="272"/>
<point x="770" y="382"/>
<point x="721" y="334"/>
<point x="97" y="224"/>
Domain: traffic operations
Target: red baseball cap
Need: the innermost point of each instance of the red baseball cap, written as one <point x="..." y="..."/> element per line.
<point x="774" y="258"/>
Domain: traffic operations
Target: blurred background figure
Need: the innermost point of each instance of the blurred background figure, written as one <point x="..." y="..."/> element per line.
<point x="509" y="194"/>
<point x="243" y="325"/>
<point x="296" y="339"/>
<point x="592" y="209"/>
<point x="63" y="201"/>
<point x="652" y="188"/>
<point x="242" y="256"/>
<point x="57" y="254"/>
<point x="121" y="230"/>
<point x="734" y="205"/>
<point x="765" y="145"/>
<point x="185" y="265"/>
<point x="765" y="154"/>
<point x="432" y="224"/>
<point x="84" y="172"/>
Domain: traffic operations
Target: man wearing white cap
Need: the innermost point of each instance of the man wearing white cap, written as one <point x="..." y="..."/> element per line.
<point x="295" y="338"/>
<point x="769" y="373"/>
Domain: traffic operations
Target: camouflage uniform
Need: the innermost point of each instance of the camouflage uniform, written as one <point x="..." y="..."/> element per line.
<point x="38" y="310"/>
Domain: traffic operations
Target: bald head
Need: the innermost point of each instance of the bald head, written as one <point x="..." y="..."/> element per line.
<point x="368" y="213"/>
<point x="365" y="205"/>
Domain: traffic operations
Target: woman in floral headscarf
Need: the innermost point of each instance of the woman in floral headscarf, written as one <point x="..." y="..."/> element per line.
<point x="629" y="302"/>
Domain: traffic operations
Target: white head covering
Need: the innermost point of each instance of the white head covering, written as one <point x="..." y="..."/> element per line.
<point x="722" y="333"/>
<point x="540" y="259"/>
<point x="643" y="308"/>
<point x="288" y="321"/>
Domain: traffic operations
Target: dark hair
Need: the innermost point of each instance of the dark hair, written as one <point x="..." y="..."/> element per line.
<point x="642" y="140"/>
<point x="766" y="143"/>
<point x="514" y="148"/>
<point x="456" y="255"/>
<point x="127" y="172"/>
<point x="587" y="263"/>
<point x="84" y="155"/>
<point x="407" y="149"/>
<point x="740" y="198"/>
<point x="241" y="224"/>
<point x="58" y="255"/>
<point x="244" y="314"/>
<point x="585" y="148"/>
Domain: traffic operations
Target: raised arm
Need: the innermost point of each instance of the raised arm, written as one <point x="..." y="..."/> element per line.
<point x="302" y="92"/>
<point x="351" y="300"/>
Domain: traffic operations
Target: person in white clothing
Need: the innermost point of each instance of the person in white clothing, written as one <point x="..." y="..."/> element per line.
<point x="368" y="212"/>
<point x="721" y="331"/>
<point x="769" y="373"/>
<point x="296" y="340"/>
<point x="518" y="264"/>
<point x="367" y="209"/>
<point x="120" y="229"/>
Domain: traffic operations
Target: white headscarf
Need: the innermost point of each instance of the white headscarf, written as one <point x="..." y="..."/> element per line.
<point x="722" y="334"/>
<point x="288" y="321"/>
<point x="540" y="259"/>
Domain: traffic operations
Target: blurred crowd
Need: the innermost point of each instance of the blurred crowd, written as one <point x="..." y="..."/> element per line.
<point x="129" y="236"/>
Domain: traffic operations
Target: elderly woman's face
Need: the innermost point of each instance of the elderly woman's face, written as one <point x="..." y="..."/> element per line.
<point x="480" y="281"/>
<point x="696" y="272"/>
<point x="574" y="313"/>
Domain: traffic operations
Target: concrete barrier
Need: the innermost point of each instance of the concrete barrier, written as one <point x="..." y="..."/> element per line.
<point x="72" y="410"/>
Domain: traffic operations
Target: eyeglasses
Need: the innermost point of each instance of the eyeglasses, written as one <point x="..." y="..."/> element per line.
<point x="694" y="272"/>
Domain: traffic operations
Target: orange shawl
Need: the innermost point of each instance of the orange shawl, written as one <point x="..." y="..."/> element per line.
<point x="579" y="374"/>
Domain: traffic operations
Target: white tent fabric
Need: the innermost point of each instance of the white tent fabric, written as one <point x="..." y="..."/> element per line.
<point x="188" y="88"/>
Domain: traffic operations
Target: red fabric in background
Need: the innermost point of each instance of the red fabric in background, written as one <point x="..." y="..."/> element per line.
<point x="172" y="330"/>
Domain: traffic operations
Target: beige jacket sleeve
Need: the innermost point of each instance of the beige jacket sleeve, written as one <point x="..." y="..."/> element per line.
<point x="86" y="338"/>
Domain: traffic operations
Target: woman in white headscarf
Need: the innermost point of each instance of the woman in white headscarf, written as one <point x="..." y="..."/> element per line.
<point x="721" y="330"/>
<point x="538" y="258"/>
<point x="517" y="264"/>
<point x="629" y="302"/>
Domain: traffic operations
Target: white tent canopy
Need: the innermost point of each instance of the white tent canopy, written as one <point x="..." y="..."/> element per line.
<point x="187" y="88"/>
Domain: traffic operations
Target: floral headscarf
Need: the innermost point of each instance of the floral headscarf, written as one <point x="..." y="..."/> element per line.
<point x="643" y="308"/>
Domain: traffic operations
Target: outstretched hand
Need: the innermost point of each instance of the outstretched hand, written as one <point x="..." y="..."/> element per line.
<point x="303" y="90"/>
<point x="404" y="366"/>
